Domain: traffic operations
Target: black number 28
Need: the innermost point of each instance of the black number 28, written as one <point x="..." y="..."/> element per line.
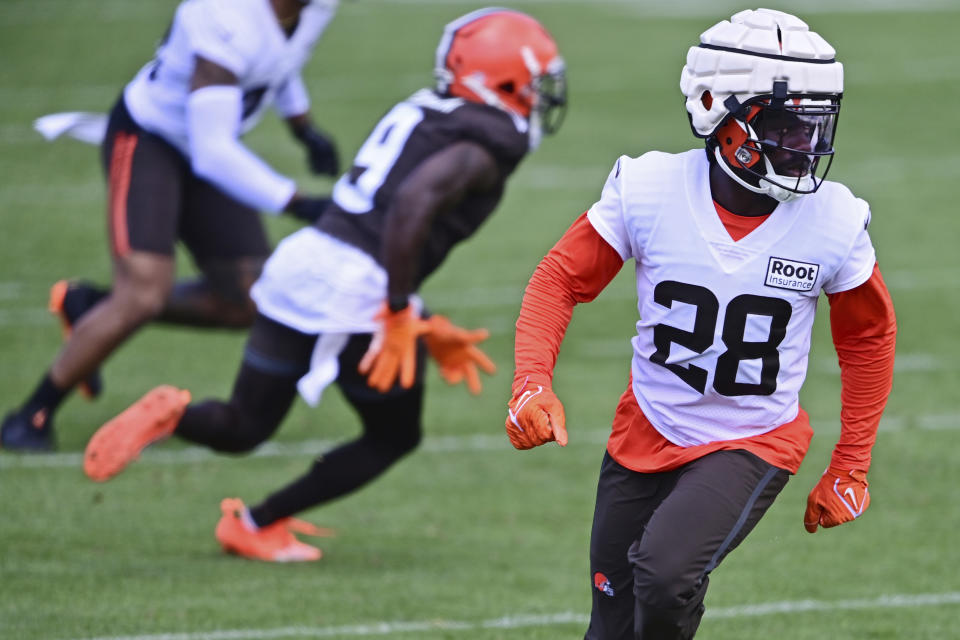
<point x="734" y="328"/>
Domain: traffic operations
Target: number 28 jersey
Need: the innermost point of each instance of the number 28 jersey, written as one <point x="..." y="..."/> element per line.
<point x="724" y="332"/>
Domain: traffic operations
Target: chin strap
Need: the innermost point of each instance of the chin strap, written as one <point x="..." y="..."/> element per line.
<point x="730" y="172"/>
<point x="768" y="188"/>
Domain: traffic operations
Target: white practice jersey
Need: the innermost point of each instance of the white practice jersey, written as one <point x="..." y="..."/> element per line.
<point x="724" y="331"/>
<point x="242" y="36"/>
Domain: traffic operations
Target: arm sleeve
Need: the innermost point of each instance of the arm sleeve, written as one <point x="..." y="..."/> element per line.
<point x="864" y="332"/>
<point x="575" y="270"/>
<point x="216" y="153"/>
<point x="292" y="98"/>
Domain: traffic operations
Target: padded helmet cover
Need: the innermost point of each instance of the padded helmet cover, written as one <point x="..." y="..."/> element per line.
<point x="745" y="55"/>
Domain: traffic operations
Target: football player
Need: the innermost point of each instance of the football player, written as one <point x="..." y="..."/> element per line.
<point x="430" y="173"/>
<point x="732" y="248"/>
<point x="177" y="170"/>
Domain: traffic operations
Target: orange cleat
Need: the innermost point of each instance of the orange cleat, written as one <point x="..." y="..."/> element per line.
<point x="273" y="543"/>
<point x="81" y="301"/>
<point x="120" y="441"/>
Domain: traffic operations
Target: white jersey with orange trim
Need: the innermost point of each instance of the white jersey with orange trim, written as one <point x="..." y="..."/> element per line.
<point x="242" y="36"/>
<point x="724" y="331"/>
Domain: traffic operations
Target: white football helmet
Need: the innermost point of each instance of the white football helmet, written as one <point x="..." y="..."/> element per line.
<point x="764" y="91"/>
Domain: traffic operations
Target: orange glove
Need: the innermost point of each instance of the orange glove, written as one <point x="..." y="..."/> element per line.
<point x="393" y="350"/>
<point x="455" y="352"/>
<point x="534" y="417"/>
<point x="839" y="497"/>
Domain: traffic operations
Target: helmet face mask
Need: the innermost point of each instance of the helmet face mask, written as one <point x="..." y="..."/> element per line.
<point x="505" y="59"/>
<point x="764" y="92"/>
<point x="550" y="103"/>
<point x="787" y="149"/>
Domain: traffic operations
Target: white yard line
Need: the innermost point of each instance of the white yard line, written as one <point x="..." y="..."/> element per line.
<point x="902" y="600"/>
<point x="29" y="317"/>
<point x="905" y="363"/>
<point x="11" y="290"/>
<point x="475" y="443"/>
<point x="305" y="448"/>
<point x="919" y="280"/>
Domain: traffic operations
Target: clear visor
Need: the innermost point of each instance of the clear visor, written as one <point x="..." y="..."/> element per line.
<point x="796" y="141"/>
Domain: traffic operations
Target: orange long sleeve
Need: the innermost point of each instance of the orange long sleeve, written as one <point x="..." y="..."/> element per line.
<point x="864" y="330"/>
<point x="575" y="270"/>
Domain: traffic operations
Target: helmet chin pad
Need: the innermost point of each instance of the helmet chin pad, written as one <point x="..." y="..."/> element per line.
<point x="764" y="186"/>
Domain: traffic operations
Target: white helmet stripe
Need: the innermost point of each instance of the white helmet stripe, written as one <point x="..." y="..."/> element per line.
<point x="530" y="59"/>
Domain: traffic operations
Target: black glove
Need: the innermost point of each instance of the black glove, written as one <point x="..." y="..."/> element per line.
<point x="321" y="152"/>
<point x="306" y="208"/>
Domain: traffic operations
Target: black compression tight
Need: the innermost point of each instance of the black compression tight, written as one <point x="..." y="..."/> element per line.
<point x="256" y="408"/>
<point x="275" y="357"/>
<point x="260" y="400"/>
<point x="391" y="430"/>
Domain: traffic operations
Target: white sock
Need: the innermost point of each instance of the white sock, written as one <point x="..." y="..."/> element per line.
<point x="247" y="520"/>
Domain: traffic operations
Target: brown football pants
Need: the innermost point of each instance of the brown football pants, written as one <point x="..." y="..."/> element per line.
<point x="657" y="536"/>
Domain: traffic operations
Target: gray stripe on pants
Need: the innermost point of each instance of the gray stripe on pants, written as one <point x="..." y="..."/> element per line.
<point x="747" y="508"/>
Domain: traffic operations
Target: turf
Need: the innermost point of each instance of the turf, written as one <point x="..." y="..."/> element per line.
<point x="468" y="538"/>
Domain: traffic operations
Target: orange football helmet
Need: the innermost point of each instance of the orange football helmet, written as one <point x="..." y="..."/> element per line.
<point x="506" y="59"/>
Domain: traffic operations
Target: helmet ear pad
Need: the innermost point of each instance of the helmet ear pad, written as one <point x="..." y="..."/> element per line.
<point x="731" y="138"/>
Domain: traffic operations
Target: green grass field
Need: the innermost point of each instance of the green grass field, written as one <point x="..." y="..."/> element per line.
<point x="467" y="538"/>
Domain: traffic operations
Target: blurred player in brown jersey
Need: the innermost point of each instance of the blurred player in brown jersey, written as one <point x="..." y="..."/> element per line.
<point x="177" y="170"/>
<point x="337" y="301"/>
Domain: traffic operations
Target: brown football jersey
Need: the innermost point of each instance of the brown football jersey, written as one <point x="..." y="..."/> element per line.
<point x="409" y="133"/>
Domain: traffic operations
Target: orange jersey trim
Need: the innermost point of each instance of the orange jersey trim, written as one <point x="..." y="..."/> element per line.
<point x="121" y="164"/>
<point x="636" y="444"/>
<point x="738" y="226"/>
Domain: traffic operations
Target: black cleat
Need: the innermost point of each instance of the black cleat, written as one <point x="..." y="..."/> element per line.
<point x="21" y="432"/>
<point x="69" y="301"/>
